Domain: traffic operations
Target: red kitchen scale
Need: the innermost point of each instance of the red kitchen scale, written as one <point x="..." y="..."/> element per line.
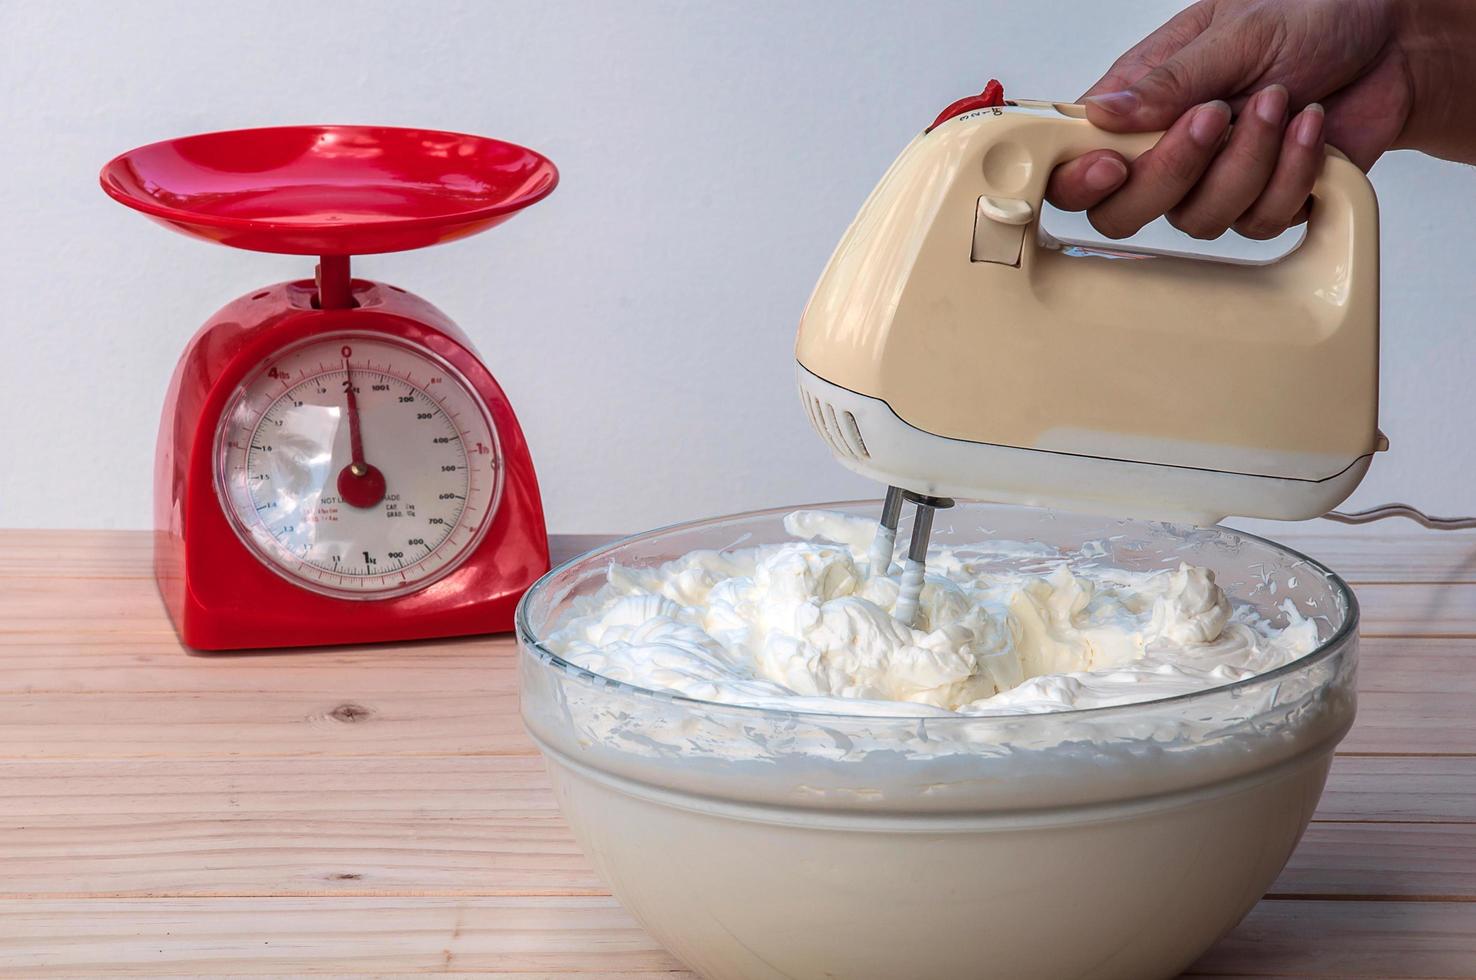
<point x="335" y="464"/>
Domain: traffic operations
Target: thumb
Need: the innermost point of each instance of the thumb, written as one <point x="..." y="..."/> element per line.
<point x="1208" y="68"/>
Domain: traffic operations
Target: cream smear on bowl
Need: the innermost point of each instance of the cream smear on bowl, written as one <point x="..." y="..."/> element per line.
<point x="806" y="625"/>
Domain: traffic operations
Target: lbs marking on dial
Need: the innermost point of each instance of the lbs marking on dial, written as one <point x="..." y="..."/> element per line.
<point x="359" y="466"/>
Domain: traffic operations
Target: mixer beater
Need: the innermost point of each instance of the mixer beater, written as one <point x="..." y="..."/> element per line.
<point x="914" y="567"/>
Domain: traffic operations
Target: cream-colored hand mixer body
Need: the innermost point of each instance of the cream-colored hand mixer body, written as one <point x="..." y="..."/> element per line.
<point x="953" y="348"/>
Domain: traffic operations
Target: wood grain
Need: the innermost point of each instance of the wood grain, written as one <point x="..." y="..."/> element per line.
<point x="378" y="809"/>
<point x="214" y="937"/>
<point x="1383" y="940"/>
<point x="348" y="720"/>
<point x="459" y="825"/>
<point x="50" y="937"/>
<point x="1380" y="861"/>
<point x="1401" y="789"/>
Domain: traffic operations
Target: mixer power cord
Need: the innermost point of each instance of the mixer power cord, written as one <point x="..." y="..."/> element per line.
<point x="1385" y="511"/>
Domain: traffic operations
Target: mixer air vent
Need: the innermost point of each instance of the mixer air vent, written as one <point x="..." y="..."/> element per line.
<point x="838" y="429"/>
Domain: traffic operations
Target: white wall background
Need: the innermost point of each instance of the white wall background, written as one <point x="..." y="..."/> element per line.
<point x="642" y="318"/>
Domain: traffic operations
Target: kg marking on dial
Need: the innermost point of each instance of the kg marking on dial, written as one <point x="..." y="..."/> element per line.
<point x="359" y="466"/>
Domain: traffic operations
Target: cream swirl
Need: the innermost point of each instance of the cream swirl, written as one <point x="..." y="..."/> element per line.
<point x="806" y="624"/>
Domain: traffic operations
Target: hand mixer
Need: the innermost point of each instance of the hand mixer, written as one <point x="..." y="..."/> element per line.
<point x="954" y="348"/>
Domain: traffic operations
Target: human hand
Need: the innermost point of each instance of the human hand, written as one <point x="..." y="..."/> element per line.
<point x="1295" y="74"/>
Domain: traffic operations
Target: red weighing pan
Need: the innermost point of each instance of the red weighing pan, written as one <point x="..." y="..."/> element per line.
<point x="330" y="190"/>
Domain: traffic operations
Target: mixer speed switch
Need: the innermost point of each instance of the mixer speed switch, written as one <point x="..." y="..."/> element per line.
<point x="999" y="229"/>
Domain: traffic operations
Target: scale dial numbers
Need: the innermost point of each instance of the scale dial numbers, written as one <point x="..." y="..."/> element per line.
<point x="358" y="466"/>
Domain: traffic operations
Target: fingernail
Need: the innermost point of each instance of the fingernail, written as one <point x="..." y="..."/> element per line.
<point x="1309" y="127"/>
<point x="1209" y="123"/>
<point x="1105" y="174"/>
<point x="1271" y="105"/>
<point x="1118" y="103"/>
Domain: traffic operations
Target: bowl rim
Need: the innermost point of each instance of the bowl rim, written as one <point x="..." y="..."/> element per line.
<point x="528" y="641"/>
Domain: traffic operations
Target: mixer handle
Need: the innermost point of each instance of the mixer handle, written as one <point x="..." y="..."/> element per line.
<point x="1341" y="226"/>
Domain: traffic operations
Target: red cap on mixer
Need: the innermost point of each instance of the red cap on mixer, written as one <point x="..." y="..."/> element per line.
<point x="992" y="95"/>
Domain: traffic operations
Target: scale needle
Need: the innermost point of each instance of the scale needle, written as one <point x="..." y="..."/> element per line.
<point x="359" y="484"/>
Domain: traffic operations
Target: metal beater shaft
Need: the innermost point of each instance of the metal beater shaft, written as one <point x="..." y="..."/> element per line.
<point x="885" y="541"/>
<point x="915" y="567"/>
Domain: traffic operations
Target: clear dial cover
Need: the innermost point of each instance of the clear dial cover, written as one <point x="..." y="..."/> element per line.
<point x="358" y="465"/>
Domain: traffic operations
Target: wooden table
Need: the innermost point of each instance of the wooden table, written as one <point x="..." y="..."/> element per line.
<point x="380" y="810"/>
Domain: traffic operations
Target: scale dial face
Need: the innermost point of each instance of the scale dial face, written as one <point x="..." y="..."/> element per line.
<point x="358" y="466"/>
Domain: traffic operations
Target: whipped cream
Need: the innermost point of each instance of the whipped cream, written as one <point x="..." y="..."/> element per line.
<point x="807" y="625"/>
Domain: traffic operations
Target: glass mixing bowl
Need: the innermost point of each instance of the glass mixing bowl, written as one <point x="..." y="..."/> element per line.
<point x="1115" y="842"/>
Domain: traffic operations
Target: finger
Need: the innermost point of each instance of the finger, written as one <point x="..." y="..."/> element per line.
<point x="1162" y="176"/>
<point x="1154" y="49"/>
<point x="1282" y="203"/>
<point x="1239" y="172"/>
<point x="1215" y="65"/>
<point x="1086" y="181"/>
